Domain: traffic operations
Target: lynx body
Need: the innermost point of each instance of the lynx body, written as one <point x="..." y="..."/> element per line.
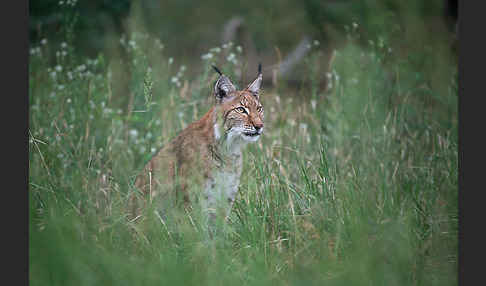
<point x="205" y="159"/>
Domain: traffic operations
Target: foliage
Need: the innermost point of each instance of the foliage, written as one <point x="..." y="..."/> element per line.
<point x="355" y="184"/>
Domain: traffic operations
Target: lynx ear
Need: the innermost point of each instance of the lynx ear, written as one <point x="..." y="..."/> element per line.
<point x="223" y="86"/>
<point x="255" y="86"/>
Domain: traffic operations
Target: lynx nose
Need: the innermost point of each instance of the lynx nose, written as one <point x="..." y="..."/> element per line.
<point x="258" y="126"/>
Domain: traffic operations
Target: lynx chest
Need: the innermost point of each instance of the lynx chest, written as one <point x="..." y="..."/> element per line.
<point x="222" y="185"/>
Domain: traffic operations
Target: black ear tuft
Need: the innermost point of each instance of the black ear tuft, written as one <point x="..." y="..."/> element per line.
<point x="255" y="86"/>
<point x="217" y="70"/>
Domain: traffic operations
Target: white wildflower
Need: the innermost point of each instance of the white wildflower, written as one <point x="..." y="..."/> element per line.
<point x="231" y="58"/>
<point x="313" y="104"/>
<point x="215" y="50"/>
<point x="133" y="133"/>
<point x="329" y="84"/>
<point x="132" y="44"/>
<point x="207" y="56"/>
<point x="381" y="43"/>
<point x="58" y="68"/>
<point x="81" y="68"/>
<point x="159" y="44"/>
<point x="43" y="41"/>
<point x="335" y="75"/>
<point x="171" y="60"/>
<point x="68" y="100"/>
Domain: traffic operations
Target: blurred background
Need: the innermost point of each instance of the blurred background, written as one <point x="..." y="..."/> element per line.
<point x="269" y="32"/>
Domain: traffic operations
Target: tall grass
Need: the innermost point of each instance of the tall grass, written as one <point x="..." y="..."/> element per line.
<point x="355" y="185"/>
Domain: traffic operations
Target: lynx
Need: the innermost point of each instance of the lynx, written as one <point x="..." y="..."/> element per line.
<point x="206" y="157"/>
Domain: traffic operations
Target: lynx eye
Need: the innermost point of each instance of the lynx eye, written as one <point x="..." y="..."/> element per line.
<point x="260" y="108"/>
<point x="241" y="109"/>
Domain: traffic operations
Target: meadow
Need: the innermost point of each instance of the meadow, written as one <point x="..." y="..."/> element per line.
<point x="352" y="184"/>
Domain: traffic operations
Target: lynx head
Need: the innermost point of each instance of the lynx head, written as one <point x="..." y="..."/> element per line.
<point x="241" y="111"/>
